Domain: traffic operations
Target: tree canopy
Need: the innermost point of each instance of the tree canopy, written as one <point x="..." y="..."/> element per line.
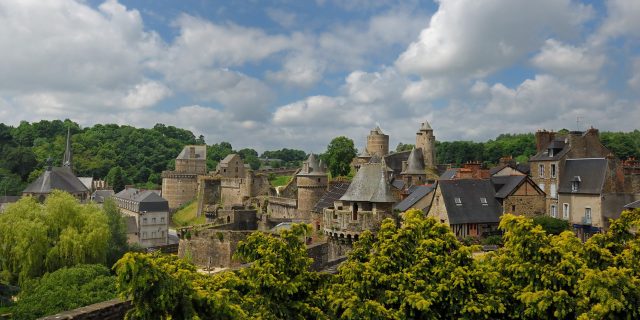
<point x="338" y="156"/>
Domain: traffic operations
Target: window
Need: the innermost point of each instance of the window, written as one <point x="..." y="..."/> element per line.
<point x="553" y="170"/>
<point x="153" y="220"/>
<point x="541" y="170"/>
<point x="513" y="208"/>
<point x="144" y="220"/>
<point x="458" y="201"/>
<point x="554" y="192"/>
<point x="565" y="211"/>
<point x="554" y="211"/>
<point x="550" y="152"/>
<point x="161" y="219"/>
<point x="574" y="186"/>
<point x="587" y="214"/>
<point x="484" y="201"/>
<point x="144" y="235"/>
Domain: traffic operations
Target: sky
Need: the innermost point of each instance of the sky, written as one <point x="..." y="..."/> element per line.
<point x="295" y="74"/>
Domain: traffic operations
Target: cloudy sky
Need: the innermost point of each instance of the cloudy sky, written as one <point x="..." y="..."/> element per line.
<point x="289" y="73"/>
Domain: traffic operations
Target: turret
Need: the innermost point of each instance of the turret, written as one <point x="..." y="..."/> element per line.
<point x="426" y="141"/>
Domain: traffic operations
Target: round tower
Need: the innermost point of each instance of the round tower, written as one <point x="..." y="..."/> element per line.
<point x="426" y="141"/>
<point x="377" y="142"/>
<point x="312" y="182"/>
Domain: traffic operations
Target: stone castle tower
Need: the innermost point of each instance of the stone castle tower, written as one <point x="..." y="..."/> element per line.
<point x="181" y="185"/>
<point x="312" y="182"/>
<point x="426" y="141"/>
<point x="377" y="143"/>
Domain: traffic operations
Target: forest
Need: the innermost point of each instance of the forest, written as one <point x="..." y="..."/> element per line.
<point x="127" y="155"/>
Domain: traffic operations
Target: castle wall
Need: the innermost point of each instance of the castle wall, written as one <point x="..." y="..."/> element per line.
<point x="283" y="208"/>
<point x="378" y="144"/>
<point x="179" y="188"/>
<point x="196" y="166"/>
<point x="310" y="190"/>
<point x="211" y="247"/>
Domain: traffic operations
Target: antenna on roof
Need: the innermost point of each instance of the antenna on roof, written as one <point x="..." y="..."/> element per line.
<point x="579" y="120"/>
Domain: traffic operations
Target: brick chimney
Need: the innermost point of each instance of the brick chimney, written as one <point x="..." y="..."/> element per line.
<point x="543" y="138"/>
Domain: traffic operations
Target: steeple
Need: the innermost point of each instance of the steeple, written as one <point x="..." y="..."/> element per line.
<point x="67" y="160"/>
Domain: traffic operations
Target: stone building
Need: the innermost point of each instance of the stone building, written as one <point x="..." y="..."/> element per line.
<point x="377" y="143"/>
<point x="312" y="182"/>
<point x="413" y="170"/>
<point x="181" y="185"/>
<point x="519" y="195"/>
<point x="468" y="206"/>
<point x="150" y="213"/>
<point x="426" y="141"/>
<point x="364" y="205"/>
<point x="59" y="178"/>
<point x="590" y="193"/>
<point x="231" y="166"/>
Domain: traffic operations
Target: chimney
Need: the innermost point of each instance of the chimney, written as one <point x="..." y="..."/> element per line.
<point x="464" y="173"/>
<point x="507" y="161"/>
<point x="543" y="138"/>
<point x="473" y="167"/>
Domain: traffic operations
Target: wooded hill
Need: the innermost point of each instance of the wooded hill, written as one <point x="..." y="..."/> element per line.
<point x="140" y="154"/>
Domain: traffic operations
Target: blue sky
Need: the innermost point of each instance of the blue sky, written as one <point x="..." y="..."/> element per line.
<point x="274" y="74"/>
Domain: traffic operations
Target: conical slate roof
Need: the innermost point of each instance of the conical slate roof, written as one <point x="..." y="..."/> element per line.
<point x="312" y="167"/>
<point x="415" y="163"/>
<point x="369" y="185"/>
<point x="425" y="126"/>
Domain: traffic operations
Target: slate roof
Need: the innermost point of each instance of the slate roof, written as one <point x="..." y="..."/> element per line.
<point x="200" y="152"/>
<point x="425" y="126"/>
<point x="100" y="196"/>
<point x="398" y="183"/>
<point x="394" y="160"/>
<point x="148" y="200"/>
<point x="524" y="168"/>
<point x="313" y="166"/>
<point x="334" y="193"/>
<point x="505" y="185"/>
<point x="591" y="173"/>
<point x="369" y="185"/>
<point x="449" y="174"/>
<point x="228" y="158"/>
<point x="471" y="209"/>
<point x="418" y="193"/>
<point x="558" y="145"/>
<point x="415" y="163"/>
<point x="633" y="205"/>
<point x="87" y="181"/>
<point x="56" y="178"/>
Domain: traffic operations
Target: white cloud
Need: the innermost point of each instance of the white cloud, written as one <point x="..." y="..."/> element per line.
<point x="565" y="60"/>
<point x="623" y="19"/>
<point x="468" y="38"/>
<point x="634" y="81"/>
<point x="284" y="18"/>
<point x="146" y="94"/>
<point x="299" y="70"/>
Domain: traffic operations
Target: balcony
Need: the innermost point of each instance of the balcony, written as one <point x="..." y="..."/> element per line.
<point x="586" y="221"/>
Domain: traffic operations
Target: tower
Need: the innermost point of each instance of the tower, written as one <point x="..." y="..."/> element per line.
<point x="413" y="171"/>
<point x="426" y="141"/>
<point x="67" y="159"/>
<point x="312" y="182"/>
<point x="377" y="142"/>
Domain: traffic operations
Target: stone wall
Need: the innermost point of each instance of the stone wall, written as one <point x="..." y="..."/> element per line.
<point x="212" y="247"/>
<point x="525" y="205"/>
<point x="209" y="193"/>
<point x="338" y="247"/>
<point x="310" y="190"/>
<point x="108" y="310"/>
<point x="282" y="208"/>
<point x="319" y="252"/>
<point x="179" y="188"/>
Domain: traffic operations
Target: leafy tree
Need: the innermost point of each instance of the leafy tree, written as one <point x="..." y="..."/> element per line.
<point x="551" y="225"/>
<point x="37" y="238"/>
<point x="338" y="156"/>
<point x="64" y="289"/>
<point x="116" y="179"/>
<point x="404" y="147"/>
<point x="117" y="245"/>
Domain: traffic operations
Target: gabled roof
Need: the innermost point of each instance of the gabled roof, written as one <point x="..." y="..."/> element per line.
<point x="369" y="185"/>
<point x="335" y="191"/>
<point x="415" y="163"/>
<point x="471" y="209"/>
<point x="418" y="193"/>
<point x="100" y="196"/>
<point x="148" y="200"/>
<point x="87" y="182"/>
<point x="506" y="185"/>
<point x="591" y="173"/>
<point x="229" y="158"/>
<point x="56" y="178"/>
<point x="200" y="152"/>
<point x="398" y="183"/>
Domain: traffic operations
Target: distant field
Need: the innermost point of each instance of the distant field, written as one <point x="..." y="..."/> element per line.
<point x="280" y="181"/>
<point x="187" y="216"/>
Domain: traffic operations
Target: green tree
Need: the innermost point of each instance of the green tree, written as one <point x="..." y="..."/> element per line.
<point x="551" y="225"/>
<point x="404" y="147"/>
<point x="37" y="238"/>
<point x="116" y="179"/>
<point x="64" y="289"/>
<point x="338" y="156"/>
<point x="117" y="245"/>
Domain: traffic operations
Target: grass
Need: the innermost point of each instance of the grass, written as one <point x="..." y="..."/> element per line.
<point x="186" y="215"/>
<point x="280" y="181"/>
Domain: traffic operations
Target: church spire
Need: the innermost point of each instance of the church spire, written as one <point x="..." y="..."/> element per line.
<point x="67" y="159"/>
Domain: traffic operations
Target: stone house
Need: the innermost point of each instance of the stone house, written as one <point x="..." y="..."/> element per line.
<point x="518" y="194"/>
<point x="420" y="198"/>
<point x="181" y="185"/>
<point x="151" y="214"/>
<point x="468" y="206"/>
<point x="589" y="195"/>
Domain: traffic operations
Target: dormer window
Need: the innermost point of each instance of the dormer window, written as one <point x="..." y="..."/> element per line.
<point x="550" y="152"/>
<point x="484" y="201"/>
<point x="575" y="183"/>
<point x="458" y="201"/>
